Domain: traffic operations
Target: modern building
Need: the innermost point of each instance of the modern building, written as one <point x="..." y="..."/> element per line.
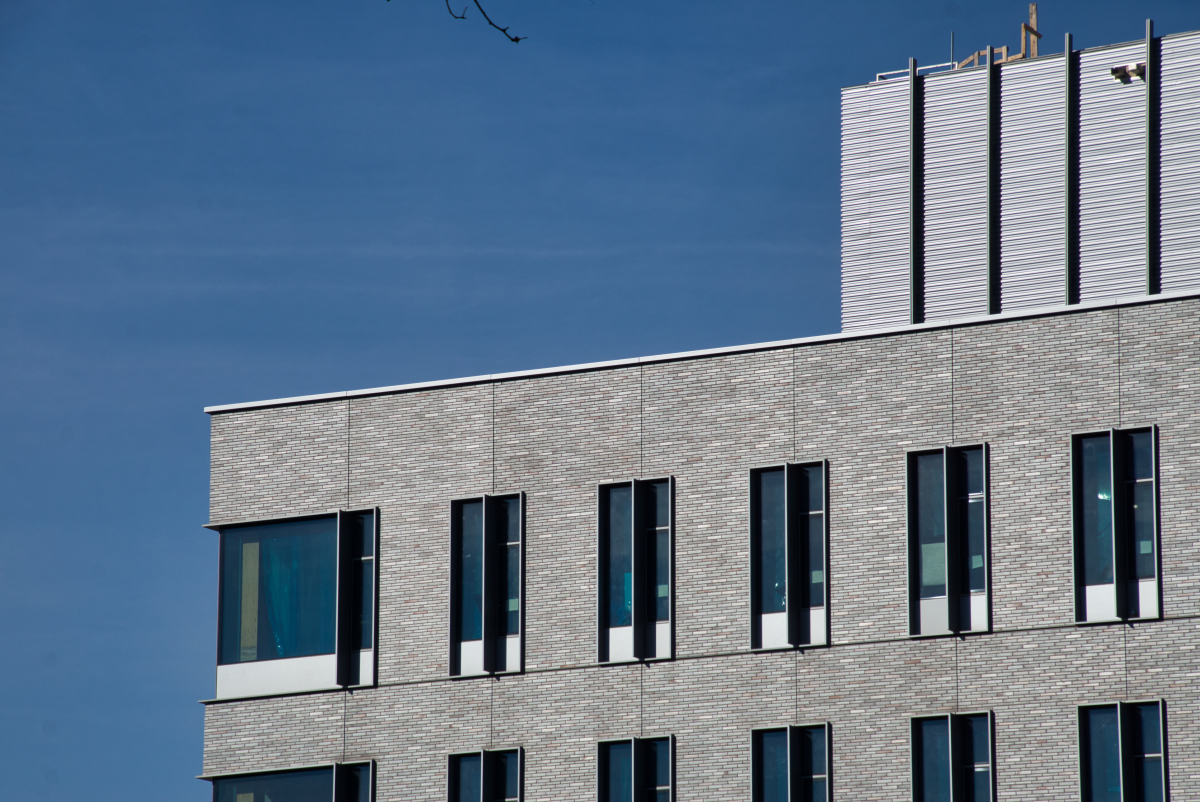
<point x="950" y="553"/>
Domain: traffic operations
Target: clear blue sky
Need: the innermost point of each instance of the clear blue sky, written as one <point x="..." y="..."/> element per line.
<point x="210" y="202"/>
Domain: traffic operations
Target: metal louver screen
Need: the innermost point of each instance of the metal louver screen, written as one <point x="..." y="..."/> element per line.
<point x="956" y="194"/>
<point x="1180" y="154"/>
<point x="875" y="207"/>
<point x="1112" y="176"/>
<point x="1032" y="184"/>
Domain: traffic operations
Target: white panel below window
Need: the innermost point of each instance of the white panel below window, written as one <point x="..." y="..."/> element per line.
<point x="470" y="657"/>
<point x="658" y="639"/>
<point x="972" y="613"/>
<point x="816" y="627"/>
<point x="508" y="653"/>
<point x="366" y="667"/>
<point x="1100" y="603"/>
<point x="773" y="632"/>
<point x="620" y="644"/>
<point x="935" y="619"/>
<point x="1145" y="591"/>
<point x="271" y="677"/>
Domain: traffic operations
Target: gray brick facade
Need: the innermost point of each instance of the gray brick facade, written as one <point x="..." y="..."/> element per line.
<point x="1021" y="385"/>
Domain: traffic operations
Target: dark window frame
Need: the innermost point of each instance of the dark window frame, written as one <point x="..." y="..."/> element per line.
<point x="639" y="750"/>
<point x="340" y="793"/>
<point x="642" y="604"/>
<point x="1128" y="791"/>
<point x="493" y="585"/>
<point x="487" y="764"/>
<point x="345" y="603"/>
<point x="795" y="790"/>
<point x="799" y="636"/>
<point x="955" y="756"/>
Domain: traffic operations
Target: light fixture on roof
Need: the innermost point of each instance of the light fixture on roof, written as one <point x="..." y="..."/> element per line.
<point x="1125" y="73"/>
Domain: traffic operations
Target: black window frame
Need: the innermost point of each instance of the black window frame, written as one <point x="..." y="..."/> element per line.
<point x="642" y="603"/>
<point x="347" y="600"/>
<point x="1129" y="793"/>
<point x="639" y="752"/>
<point x="1117" y="452"/>
<point x="795" y="787"/>
<point x="956" y="754"/>
<point x="493" y="585"/>
<point x="953" y="483"/>
<point x="340" y="777"/>
<point x="487" y="764"/>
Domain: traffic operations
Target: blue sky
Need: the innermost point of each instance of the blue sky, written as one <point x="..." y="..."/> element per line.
<point x="203" y="203"/>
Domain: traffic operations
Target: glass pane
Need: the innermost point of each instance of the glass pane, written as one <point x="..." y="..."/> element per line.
<point x="1148" y="779"/>
<point x="933" y="764"/>
<point x="508" y="520"/>
<point x="660" y="547"/>
<point x="1141" y="455"/>
<point x="658" y="504"/>
<point x="508" y="775"/>
<point x="812" y="751"/>
<point x="972" y="468"/>
<point x="772" y="531"/>
<point x="364" y="534"/>
<point x="470" y="588"/>
<point x="814" y="479"/>
<point x="658" y="762"/>
<point x="358" y="784"/>
<point x="1141" y="523"/>
<point x="1095" y="505"/>
<point x="813" y="790"/>
<point x="618" y="767"/>
<point x="1144" y="722"/>
<point x="815" y="537"/>
<point x="979" y="784"/>
<point x="931" y="525"/>
<point x="512" y="583"/>
<point x="774" y="766"/>
<point x="468" y="778"/>
<point x="364" y="606"/>
<point x="1102" y="755"/>
<point x="976" y="578"/>
<point x="278" y="590"/>
<point x="315" y="785"/>
<point x="661" y="796"/>
<point x="620" y="556"/>
<point x="976" y="735"/>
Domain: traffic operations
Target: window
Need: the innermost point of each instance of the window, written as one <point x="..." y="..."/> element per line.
<point x="297" y="605"/>
<point x="486" y="584"/>
<point x="1116" y="525"/>
<point x="788" y="556"/>
<point x="487" y="776"/>
<point x="340" y="783"/>
<point x="791" y="764"/>
<point x="636" y="580"/>
<point x="1121" y="752"/>
<point x="948" y="541"/>
<point x="637" y="770"/>
<point x="952" y="758"/>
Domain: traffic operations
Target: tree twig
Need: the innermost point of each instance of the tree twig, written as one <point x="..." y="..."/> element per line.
<point x="456" y="16"/>
<point x="504" y="31"/>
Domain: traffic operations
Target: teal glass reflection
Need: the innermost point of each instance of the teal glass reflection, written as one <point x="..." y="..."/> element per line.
<point x="933" y="761"/>
<point x="931" y="525"/>
<point x="1146" y="742"/>
<point x="1095" y="509"/>
<point x="617" y="768"/>
<point x="470" y="586"/>
<point x="314" y="785"/>
<point x="620" y="556"/>
<point x="467" y="778"/>
<point x="772" y="541"/>
<point x="506" y="775"/>
<point x="772" y="766"/>
<point x="1101" y="755"/>
<point x="658" y="502"/>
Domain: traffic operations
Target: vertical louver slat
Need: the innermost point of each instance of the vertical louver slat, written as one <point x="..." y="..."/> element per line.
<point x="1112" y="178"/>
<point x="1180" y="187"/>
<point x="956" y="194"/>
<point x="1032" y="177"/>
<point x="875" y="206"/>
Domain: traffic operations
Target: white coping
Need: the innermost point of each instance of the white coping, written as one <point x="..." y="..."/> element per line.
<point x="1057" y="309"/>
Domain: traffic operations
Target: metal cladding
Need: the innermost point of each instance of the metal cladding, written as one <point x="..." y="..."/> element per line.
<point x="1061" y="179"/>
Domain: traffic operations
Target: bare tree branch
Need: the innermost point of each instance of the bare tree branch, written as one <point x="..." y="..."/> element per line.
<point x="504" y="31"/>
<point x="456" y="16"/>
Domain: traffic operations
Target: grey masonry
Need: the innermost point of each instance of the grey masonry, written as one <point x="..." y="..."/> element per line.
<point x="1023" y="382"/>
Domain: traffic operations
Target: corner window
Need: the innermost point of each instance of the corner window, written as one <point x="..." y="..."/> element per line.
<point x="952" y="758"/>
<point x="948" y="541"/>
<point x="1121" y="752"/>
<point x="791" y="764"/>
<point x="637" y="770"/>
<point x="788" y="556"/>
<point x="297" y="605"/>
<point x="1116" y="525"/>
<point x="486" y="584"/>
<point x="487" y="776"/>
<point x="636" y="572"/>
<point x="340" y="783"/>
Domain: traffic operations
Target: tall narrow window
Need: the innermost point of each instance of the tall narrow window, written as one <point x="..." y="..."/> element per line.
<point x="1121" y="752"/>
<point x="637" y="770"/>
<point x="791" y="764"/>
<point x="788" y="556"/>
<point x="487" y="776"/>
<point x="948" y="541"/>
<point x="952" y="758"/>
<point x="636" y="580"/>
<point x="344" y="782"/>
<point x="486" y="584"/>
<point x="297" y="590"/>
<point x="1116" y="525"/>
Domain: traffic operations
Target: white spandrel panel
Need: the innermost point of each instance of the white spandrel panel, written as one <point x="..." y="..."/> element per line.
<point x="1033" y="220"/>
<point x="1180" y="157"/>
<point x="274" y="677"/>
<point x="1112" y="176"/>
<point x="875" y="205"/>
<point x="955" y="194"/>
